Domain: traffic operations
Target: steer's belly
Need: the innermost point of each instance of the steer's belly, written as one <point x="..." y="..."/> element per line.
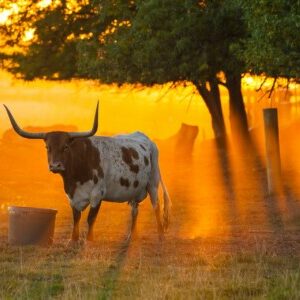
<point x="125" y="194"/>
<point x="90" y="193"/>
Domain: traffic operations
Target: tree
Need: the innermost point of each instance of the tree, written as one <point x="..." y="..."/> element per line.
<point x="148" y="42"/>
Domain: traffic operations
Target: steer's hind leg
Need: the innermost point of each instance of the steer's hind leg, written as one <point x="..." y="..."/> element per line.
<point x="153" y="192"/>
<point x="134" y="213"/>
<point x="91" y="221"/>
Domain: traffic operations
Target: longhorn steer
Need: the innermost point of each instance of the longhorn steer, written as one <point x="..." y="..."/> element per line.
<point x="95" y="169"/>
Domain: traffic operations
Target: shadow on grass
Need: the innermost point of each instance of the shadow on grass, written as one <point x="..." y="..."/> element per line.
<point x="110" y="277"/>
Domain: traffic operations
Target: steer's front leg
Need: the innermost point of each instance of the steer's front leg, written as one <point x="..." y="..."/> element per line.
<point x="76" y="219"/>
<point x="91" y="221"/>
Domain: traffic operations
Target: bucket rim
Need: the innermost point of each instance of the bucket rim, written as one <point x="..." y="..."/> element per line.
<point x="30" y="209"/>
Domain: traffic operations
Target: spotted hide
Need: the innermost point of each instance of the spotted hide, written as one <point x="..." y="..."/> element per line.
<point x="122" y="168"/>
<point x="119" y="174"/>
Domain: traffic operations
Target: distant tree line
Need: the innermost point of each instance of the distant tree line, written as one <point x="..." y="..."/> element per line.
<point x="210" y="43"/>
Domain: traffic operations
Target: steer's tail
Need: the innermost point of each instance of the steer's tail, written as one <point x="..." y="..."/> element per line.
<point x="167" y="205"/>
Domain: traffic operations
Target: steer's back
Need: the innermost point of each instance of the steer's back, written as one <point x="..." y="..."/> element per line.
<point x="126" y="164"/>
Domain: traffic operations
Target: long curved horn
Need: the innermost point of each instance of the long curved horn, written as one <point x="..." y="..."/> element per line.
<point x="42" y="135"/>
<point x="21" y="132"/>
<point x="88" y="133"/>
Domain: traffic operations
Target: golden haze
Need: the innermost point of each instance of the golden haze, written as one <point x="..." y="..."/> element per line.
<point x="208" y="200"/>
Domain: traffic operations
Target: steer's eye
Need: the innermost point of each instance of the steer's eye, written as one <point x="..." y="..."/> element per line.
<point x="66" y="148"/>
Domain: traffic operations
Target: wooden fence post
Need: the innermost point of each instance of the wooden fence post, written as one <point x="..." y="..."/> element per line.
<point x="272" y="150"/>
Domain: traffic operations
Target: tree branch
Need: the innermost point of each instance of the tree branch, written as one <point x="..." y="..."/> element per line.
<point x="165" y="93"/>
<point x="262" y="84"/>
<point x="272" y="88"/>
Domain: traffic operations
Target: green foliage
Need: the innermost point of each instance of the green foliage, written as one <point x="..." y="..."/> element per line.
<point x="52" y="52"/>
<point x="273" y="47"/>
<point x="161" y="41"/>
<point x="154" y="41"/>
<point x="168" y="41"/>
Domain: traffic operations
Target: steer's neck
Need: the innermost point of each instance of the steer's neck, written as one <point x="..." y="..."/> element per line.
<point x="71" y="176"/>
<point x="83" y="161"/>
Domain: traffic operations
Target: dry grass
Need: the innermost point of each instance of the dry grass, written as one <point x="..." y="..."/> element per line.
<point x="144" y="269"/>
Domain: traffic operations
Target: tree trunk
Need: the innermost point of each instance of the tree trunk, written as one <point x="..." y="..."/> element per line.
<point x="238" y="116"/>
<point x="212" y="100"/>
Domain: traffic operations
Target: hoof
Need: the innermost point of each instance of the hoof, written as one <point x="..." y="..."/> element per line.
<point x="89" y="239"/>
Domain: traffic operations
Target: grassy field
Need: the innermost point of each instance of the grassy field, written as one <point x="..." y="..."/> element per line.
<point x="178" y="269"/>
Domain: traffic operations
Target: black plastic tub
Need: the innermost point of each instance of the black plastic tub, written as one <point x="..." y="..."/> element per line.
<point x="30" y="225"/>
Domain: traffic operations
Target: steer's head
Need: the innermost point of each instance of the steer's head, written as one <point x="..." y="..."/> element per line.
<point x="58" y="143"/>
<point x="58" y="146"/>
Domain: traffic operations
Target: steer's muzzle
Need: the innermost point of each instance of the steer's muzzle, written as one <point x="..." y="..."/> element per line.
<point x="56" y="167"/>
